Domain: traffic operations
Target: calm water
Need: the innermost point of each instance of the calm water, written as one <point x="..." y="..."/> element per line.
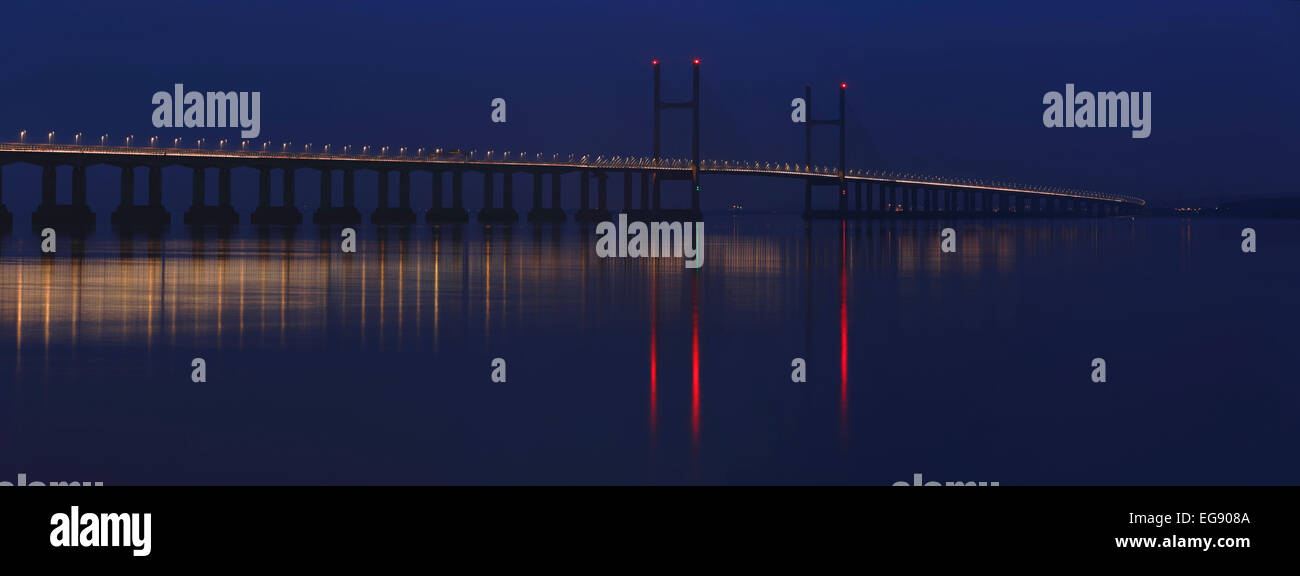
<point x="375" y="367"/>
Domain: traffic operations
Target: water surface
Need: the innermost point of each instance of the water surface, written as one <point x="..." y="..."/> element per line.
<point x="374" y="367"/>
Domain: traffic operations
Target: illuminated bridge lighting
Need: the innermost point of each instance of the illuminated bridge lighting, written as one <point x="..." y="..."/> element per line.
<point x="680" y="166"/>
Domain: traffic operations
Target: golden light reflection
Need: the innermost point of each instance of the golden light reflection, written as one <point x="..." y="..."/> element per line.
<point x="293" y="292"/>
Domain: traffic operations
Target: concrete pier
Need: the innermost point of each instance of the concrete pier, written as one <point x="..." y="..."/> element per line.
<point x="540" y="213"/>
<point x="330" y="215"/>
<point x="457" y="212"/>
<point x="200" y="213"/>
<point x="6" y="217"/>
<point x="130" y="216"/>
<point x="267" y="214"/>
<point x="385" y="213"/>
<point x="600" y="212"/>
<point x="491" y="213"/>
<point x="74" y="217"/>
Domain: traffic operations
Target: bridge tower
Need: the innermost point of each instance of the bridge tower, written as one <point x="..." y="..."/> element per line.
<point x="694" y="105"/>
<point x="809" y="122"/>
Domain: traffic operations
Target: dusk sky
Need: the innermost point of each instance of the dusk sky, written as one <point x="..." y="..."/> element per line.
<point x="946" y="88"/>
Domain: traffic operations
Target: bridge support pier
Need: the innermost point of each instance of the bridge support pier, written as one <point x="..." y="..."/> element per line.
<point x="6" y="217"/>
<point x="286" y="214"/>
<point x="328" y="214"/>
<point x="540" y="213"/>
<point x="150" y="217"/>
<point x="656" y="183"/>
<point x="602" y="197"/>
<point x="645" y="191"/>
<point x="506" y="213"/>
<point x="326" y="187"/>
<point x="695" y="186"/>
<point x="75" y="217"/>
<point x="586" y="213"/>
<point x="438" y="213"/>
<point x="289" y="198"/>
<point x="643" y="211"/>
<point x="200" y="188"/>
<point x="223" y="187"/>
<point x="537" y="194"/>
<point x="200" y="214"/>
<point x="402" y="214"/>
<point x="627" y="191"/>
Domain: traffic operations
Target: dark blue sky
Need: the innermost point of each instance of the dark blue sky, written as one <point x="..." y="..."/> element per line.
<point x="951" y="88"/>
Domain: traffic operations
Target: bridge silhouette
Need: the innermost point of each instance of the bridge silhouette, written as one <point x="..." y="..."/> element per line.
<point x="875" y="194"/>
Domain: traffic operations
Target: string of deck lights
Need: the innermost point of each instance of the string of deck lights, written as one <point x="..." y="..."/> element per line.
<point x="287" y="149"/>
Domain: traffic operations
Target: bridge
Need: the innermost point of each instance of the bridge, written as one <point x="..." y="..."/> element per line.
<point x="875" y="194"/>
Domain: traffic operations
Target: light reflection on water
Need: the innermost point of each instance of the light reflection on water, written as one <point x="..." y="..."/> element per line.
<point x="285" y="290"/>
<point x="954" y="342"/>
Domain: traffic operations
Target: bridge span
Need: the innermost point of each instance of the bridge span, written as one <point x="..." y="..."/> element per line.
<point x="859" y="193"/>
<point x="862" y="193"/>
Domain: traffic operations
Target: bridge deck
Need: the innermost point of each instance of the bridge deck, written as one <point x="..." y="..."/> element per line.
<point x="151" y="156"/>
